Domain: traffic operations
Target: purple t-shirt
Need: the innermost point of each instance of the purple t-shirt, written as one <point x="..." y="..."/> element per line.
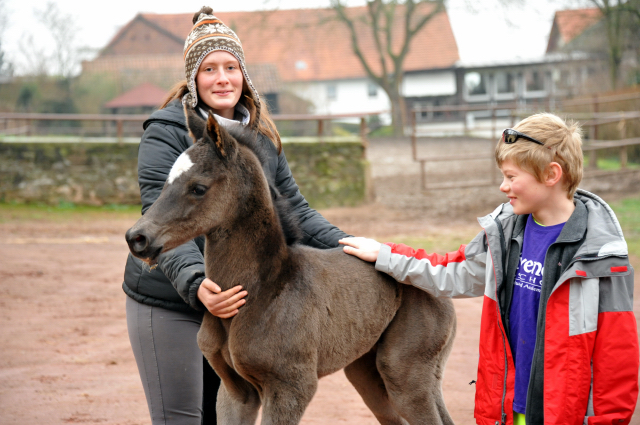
<point x="523" y="315"/>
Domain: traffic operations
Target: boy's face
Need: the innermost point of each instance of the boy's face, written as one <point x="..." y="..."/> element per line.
<point x="526" y="194"/>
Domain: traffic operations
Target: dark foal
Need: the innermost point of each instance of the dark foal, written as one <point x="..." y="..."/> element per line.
<point x="309" y="312"/>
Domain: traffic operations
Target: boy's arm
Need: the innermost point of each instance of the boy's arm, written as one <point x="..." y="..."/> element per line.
<point x="458" y="274"/>
<point x="615" y="354"/>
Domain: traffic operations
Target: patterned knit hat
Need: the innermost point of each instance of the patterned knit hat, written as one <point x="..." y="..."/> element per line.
<point x="208" y="35"/>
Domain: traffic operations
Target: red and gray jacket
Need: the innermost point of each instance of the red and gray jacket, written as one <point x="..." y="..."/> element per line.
<point x="585" y="363"/>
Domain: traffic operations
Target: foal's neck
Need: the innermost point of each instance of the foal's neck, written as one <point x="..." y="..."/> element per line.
<point x="249" y="251"/>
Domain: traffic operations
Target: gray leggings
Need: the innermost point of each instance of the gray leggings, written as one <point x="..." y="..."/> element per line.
<point x="174" y="374"/>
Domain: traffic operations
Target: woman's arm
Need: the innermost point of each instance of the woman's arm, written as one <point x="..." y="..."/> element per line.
<point x="317" y="231"/>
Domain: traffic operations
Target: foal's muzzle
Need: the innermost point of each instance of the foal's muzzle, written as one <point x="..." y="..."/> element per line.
<point x="142" y="246"/>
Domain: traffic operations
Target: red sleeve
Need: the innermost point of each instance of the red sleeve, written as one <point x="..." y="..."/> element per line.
<point x="435" y="259"/>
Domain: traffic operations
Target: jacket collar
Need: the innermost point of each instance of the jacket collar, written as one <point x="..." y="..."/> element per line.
<point x="575" y="228"/>
<point x="592" y="220"/>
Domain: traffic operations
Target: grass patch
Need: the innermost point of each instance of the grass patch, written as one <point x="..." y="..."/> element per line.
<point x="610" y="164"/>
<point x="65" y="211"/>
<point x="628" y="212"/>
<point x="439" y="244"/>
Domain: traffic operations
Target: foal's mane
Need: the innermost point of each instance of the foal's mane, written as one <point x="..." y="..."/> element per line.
<point x="289" y="222"/>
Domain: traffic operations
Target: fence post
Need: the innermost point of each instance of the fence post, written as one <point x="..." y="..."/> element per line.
<point x="595" y="118"/>
<point x="623" y="149"/>
<point x="423" y="175"/>
<point x="414" y="149"/>
<point x="493" y="122"/>
<point x="368" y="185"/>
<point x="320" y="130"/>
<point x="492" y="163"/>
<point x="120" y="131"/>
<point x="593" y="159"/>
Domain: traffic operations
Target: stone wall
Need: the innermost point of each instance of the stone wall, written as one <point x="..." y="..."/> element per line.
<point x="329" y="174"/>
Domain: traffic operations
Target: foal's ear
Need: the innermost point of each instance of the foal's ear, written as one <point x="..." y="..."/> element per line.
<point x="195" y="123"/>
<point x="223" y="143"/>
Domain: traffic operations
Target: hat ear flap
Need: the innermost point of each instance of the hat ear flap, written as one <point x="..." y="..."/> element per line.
<point x="195" y="124"/>
<point x="223" y="143"/>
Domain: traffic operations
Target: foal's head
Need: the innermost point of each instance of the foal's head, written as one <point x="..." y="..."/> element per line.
<point x="211" y="185"/>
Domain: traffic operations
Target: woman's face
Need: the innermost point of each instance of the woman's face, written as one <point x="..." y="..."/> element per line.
<point x="219" y="82"/>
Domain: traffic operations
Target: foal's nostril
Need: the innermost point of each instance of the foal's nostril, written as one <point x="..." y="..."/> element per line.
<point x="140" y="243"/>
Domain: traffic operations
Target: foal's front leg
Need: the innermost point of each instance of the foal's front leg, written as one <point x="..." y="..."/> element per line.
<point x="285" y="399"/>
<point x="237" y="406"/>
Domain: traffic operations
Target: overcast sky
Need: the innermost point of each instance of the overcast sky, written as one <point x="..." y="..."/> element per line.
<point x="485" y="30"/>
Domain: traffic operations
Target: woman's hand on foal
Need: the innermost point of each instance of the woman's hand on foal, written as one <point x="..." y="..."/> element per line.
<point x="221" y="304"/>
<point x="363" y="248"/>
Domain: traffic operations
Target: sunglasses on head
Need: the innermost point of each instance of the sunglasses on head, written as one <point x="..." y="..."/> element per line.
<point x="510" y="136"/>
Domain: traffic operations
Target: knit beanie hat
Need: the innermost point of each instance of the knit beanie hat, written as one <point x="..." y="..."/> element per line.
<point x="208" y="35"/>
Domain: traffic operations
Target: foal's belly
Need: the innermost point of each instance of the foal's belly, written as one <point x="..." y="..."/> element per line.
<point x="355" y="304"/>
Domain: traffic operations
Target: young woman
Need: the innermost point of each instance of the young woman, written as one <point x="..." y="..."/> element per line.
<point x="165" y="305"/>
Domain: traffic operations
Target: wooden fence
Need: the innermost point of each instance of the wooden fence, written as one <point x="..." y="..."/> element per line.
<point x="514" y="112"/>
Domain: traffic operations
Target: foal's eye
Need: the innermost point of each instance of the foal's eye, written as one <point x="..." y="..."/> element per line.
<point x="199" y="190"/>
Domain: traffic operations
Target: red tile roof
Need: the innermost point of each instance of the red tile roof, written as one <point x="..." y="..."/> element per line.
<point x="572" y="23"/>
<point x="145" y="94"/>
<point x="311" y="45"/>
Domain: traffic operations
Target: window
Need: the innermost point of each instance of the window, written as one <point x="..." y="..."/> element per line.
<point x="372" y="90"/>
<point x="332" y="92"/>
<point x="534" y="81"/>
<point x="505" y="83"/>
<point x="476" y="83"/>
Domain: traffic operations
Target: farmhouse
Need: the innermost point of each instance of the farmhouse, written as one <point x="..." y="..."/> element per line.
<point x="302" y="54"/>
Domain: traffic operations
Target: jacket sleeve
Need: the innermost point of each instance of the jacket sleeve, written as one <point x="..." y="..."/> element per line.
<point x="316" y="230"/>
<point x="458" y="274"/>
<point x="615" y="355"/>
<point x="160" y="146"/>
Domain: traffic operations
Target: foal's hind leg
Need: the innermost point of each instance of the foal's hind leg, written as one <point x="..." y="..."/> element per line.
<point x="412" y="354"/>
<point x="364" y="376"/>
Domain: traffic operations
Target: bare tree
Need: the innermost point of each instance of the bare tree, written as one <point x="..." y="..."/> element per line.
<point x="6" y="68"/>
<point x="63" y="32"/>
<point x="621" y="22"/>
<point x="380" y="20"/>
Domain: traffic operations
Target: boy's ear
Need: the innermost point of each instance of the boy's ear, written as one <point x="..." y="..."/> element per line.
<point x="222" y="142"/>
<point x="553" y="174"/>
<point x="195" y="124"/>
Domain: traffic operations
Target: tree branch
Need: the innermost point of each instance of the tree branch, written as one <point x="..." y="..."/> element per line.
<point x="339" y="8"/>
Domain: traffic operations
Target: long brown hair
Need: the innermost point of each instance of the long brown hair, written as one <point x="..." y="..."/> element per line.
<point x="260" y="119"/>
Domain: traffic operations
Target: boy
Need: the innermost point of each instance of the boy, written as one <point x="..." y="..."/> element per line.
<point x="558" y="337"/>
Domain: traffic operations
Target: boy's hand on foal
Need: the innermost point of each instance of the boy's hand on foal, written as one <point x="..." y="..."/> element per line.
<point x="221" y="304"/>
<point x="363" y="248"/>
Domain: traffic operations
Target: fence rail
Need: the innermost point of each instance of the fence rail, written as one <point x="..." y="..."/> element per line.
<point x="508" y="114"/>
<point x="121" y="126"/>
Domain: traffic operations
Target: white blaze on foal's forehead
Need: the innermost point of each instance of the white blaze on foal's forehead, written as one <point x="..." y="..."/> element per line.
<point x="182" y="165"/>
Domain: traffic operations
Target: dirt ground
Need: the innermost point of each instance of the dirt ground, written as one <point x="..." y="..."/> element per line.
<point x="65" y="355"/>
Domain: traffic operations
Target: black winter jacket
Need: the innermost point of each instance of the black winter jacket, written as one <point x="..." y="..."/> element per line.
<point x="174" y="283"/>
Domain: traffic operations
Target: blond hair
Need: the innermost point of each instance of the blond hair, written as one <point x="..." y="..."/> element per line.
<point x="562" y="144"/>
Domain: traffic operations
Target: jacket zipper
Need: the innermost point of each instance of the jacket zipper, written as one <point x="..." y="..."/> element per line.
<point x="503" y="415"/>
<point x="506" y="371"/>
